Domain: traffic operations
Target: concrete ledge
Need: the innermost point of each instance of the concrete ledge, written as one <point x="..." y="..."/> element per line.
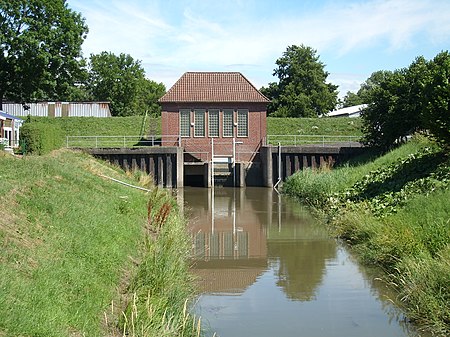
<point x="131" y="151"/>
<point x="317" y="149"/>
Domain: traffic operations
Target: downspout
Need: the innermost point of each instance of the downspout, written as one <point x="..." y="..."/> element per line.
<point x="212" y="162"/>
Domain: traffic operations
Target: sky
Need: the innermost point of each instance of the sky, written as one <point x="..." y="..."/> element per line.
<point x="353" y="38"/>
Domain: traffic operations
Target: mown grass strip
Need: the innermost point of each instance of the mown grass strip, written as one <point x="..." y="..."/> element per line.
<point x="344" y="126"/>
<point x="131" y="126"/>
<point x="114" y="126"/>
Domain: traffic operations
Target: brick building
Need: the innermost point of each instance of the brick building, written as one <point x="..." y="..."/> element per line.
<point x="214" y="113"/>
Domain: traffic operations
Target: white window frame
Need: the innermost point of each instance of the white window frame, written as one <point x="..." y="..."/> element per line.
<point x="242" y="123"/>
<point x="213" y="123"/>
<point x="226" y="124"/>
<point x="199" y="123"/>
<point x="183" y="113"/>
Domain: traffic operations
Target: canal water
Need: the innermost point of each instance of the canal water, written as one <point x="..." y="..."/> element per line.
<point x="265" y="267"/>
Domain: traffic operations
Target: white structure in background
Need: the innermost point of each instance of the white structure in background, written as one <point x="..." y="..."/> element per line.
<point x="9" y="130"/>
<point x="58" y="109"/>
<point x="351" y="111"/>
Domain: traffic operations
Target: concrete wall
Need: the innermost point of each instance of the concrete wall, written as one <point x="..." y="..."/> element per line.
<point x="165" y="164"/>
<point x="295" y="158"/>
<point x="168" y="168"/>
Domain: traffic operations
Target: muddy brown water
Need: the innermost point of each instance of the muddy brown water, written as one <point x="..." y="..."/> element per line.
<point x="266" y="267"/>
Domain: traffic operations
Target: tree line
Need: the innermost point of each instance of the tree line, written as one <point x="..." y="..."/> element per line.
<point x="41" y="59"/>
<point x="405" y="101"/>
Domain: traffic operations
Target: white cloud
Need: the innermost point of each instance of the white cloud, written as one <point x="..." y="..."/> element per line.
<point x="171" y="37"/>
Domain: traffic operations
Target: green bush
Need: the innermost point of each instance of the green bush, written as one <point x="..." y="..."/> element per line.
<point x="41" y="138"/>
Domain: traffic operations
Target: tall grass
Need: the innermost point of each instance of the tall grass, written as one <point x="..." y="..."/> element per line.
<point x="395" y="212"/>
<point x="72" y="243"/>
<point x="162" y="285"/>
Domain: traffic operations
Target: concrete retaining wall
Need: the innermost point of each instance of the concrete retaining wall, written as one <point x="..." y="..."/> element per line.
<point x="165" y="164"/>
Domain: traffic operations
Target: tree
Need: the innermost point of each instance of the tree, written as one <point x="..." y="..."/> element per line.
<point x="302" y="90"/>
<point x="408" y="100"/>
<point x="437" y="98"/>
<point x="40" y="49"/>
<point x="396" y="105"/>
<point x="351" y="99"/>
<point x="381" y="118"/>
<point x="147" y="99"/>
<point x="121" y="81"/>
<point x="362" y="96"/>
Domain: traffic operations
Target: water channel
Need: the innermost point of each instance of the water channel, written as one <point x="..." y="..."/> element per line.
<point x="265" y="267"/>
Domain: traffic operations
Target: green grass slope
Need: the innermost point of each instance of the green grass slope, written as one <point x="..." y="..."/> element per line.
<point x="344" y="126"/>
<point x="74" y="244"/>
<point x="122" y="126"/>
<point x="114" y="126"/>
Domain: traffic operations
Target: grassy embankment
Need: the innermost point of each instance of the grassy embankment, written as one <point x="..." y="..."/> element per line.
<point x="120" y="126"/>
<point x="110" y="131"/>
<point x="134" y="125"/>
<point x="395" y="212"/>
<point x="114" y="126"/>
<point x="314" y="126"/>
<point x="78" y="250"/>
<point x="296" y="131"/>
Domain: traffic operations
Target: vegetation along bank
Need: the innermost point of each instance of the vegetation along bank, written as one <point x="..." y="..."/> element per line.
<point x="82" y="255"/>
<point x="394" y="211"/>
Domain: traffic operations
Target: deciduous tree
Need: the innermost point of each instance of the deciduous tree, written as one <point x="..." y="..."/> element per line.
<point x="409" y="100"/>
<point x="40" y="49"/>
<point x="302" y="89"/>
<point x="437" y="98"/>
<point x="121" y="81"/>
<point x="362" y="96"/>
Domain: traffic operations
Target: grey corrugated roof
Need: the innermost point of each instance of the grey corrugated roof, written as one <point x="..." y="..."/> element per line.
<point x="7" y="115"/>
<point x="213" y="87"/>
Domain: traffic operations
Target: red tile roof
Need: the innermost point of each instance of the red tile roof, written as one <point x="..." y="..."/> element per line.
<point x="213" y="87"/>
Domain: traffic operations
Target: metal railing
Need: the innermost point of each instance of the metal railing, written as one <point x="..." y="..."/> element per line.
<point x="120" y="141"/>
<point x="317" y="140"/>
<point x="175" y="140"/>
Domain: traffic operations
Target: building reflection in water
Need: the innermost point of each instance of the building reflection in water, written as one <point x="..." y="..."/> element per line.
<point x="238" y="234"/>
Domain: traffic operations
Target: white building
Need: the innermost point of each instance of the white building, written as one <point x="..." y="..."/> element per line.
<point x="351" y="111"/>
<point x="58" y="109"/>
<point x="9" y="130"/>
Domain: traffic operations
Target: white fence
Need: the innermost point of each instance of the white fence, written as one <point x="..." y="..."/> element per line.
<point x="117" y="141"/>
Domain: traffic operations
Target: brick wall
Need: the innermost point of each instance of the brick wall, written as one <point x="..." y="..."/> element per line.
<point x="200" y="147"/>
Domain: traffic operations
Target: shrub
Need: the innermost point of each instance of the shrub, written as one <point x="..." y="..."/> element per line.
<point x="41" y="138"/>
